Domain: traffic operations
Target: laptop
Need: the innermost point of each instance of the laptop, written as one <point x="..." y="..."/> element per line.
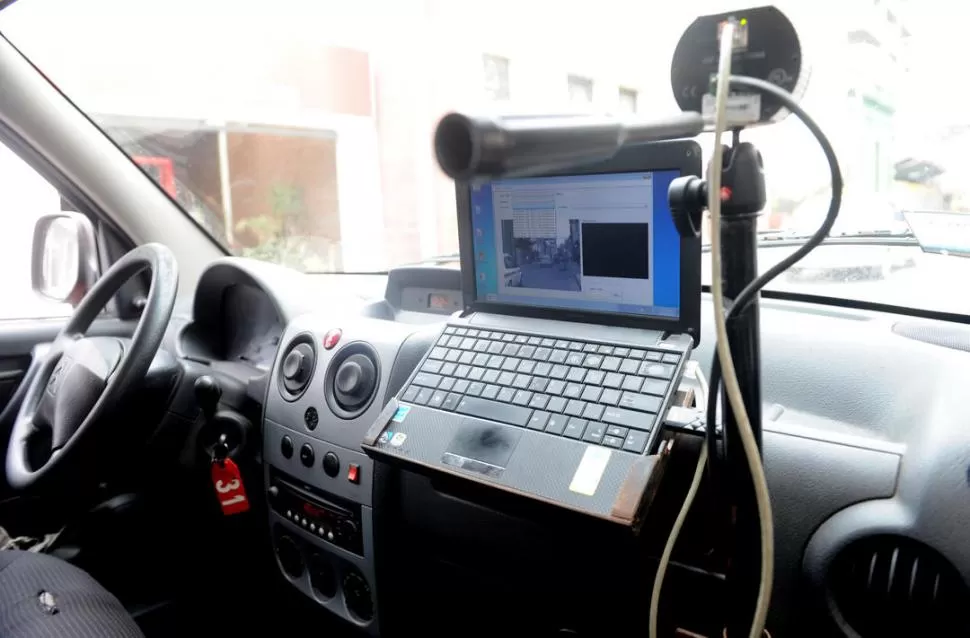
<point x="581" y="308"/>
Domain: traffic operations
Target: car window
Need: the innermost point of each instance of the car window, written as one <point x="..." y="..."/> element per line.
<point x="300" y="132"/>
<point x="24" y="197"/>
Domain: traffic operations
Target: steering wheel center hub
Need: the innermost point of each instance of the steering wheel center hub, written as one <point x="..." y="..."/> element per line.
<point x="75" y="385"/>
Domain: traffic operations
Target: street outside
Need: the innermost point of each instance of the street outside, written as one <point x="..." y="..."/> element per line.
<point x="24" y="197"/>
<point x="916" y="280"/>
<point x="551" y="276"/>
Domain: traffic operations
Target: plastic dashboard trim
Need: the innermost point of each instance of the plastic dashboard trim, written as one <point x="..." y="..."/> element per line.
<point x="919" y="468"/>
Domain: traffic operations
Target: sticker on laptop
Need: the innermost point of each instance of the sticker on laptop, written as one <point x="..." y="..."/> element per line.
<point x="398" y="439"/>
<point x="401" y="413"/>
<point x="590" y="470"/>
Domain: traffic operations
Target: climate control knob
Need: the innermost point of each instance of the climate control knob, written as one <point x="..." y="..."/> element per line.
<point x="347" y="528"/>
<point x="323" y="578"/>
<point x="297" y="368"/>
<point x="354" y="381"/>
<point x="294" y="366"/>
<point x="357" y="595"/>
<point x="289" y="555"/>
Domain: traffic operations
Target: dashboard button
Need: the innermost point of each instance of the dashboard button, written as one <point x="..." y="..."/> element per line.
<point x="353" y="473"/>
<point x="331" y="464"/>
<point x="286" y="447"/>
<point x="306" y="455"/>
<point x="332" y="338"/>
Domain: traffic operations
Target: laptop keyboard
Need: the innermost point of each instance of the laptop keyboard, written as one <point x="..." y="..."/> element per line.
<point x="594" y="392"/>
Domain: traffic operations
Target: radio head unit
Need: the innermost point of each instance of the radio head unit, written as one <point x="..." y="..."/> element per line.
<point x="329" y="517"/>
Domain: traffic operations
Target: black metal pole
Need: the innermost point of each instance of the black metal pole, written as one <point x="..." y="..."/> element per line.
<point x="742" y="200"/>
<point x="468" y="147"/>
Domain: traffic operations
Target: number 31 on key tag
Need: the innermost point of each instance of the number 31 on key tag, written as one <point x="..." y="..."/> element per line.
<point x="227" y="480"/>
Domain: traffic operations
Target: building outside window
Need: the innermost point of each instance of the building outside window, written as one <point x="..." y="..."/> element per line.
<point x="580" y="90"/>
<point x="296" y="151"/>
<point x="496" y="77"/>
<point x="627" y="100"/>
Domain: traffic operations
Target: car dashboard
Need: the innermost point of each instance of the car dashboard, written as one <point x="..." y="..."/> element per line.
<point x="865" y="446"/>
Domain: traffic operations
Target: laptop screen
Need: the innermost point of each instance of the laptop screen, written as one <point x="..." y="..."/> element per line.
<point x="597" y="243"/>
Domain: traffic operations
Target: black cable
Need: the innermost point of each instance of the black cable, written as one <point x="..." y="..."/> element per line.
<point x="766" y="89"/>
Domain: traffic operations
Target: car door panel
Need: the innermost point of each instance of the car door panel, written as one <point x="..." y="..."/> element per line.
<point x="12" y="369"/>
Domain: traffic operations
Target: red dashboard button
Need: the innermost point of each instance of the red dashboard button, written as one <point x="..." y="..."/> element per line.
<point x="353" y="473"/>
<point x="332" y="338"/>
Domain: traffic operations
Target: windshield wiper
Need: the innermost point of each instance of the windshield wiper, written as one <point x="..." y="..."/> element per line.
<point x="776" y="234"/>
<point x="874" y="233"/>
<point x="437" y="259"/>
<point x="782" y="238"/>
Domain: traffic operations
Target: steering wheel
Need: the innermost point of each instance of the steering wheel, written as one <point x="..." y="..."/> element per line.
<point x="82" y="378"/>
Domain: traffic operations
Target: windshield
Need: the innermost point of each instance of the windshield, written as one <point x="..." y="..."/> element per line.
<point x="300" y="132"/>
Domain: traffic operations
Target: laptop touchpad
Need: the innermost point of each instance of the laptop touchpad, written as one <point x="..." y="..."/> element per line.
<point x="491" y="445"/>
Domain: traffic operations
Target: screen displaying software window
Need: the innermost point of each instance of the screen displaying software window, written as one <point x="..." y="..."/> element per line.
<point x="598" y="243"/>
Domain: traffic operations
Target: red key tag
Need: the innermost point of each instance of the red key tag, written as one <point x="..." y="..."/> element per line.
<point x="229" y="487"/>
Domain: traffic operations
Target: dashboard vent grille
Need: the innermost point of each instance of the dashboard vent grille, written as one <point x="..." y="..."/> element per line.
<point x="955" y="337"/>
<point x="895" y="586"/>
<point x="352" y="380"/>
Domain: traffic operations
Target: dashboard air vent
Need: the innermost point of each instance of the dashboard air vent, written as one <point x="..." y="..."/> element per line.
<point x="352" y="379"/>
<point x="296" y="367"/>
<point x="948" y="336"/>
<point x="895" y="586"/>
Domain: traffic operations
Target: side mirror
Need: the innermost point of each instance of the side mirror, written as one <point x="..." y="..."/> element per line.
<point x="64" y="264"/>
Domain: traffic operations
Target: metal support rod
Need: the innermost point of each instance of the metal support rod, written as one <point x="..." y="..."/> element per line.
<point x="739" y="264"/>
<point x="742" y="202"/>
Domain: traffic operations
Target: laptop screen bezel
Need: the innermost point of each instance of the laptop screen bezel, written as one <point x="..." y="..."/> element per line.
<point x="683" y="156"/>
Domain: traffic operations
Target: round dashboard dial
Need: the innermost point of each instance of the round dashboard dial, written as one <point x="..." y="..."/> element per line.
<point x="357" y="595"/>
